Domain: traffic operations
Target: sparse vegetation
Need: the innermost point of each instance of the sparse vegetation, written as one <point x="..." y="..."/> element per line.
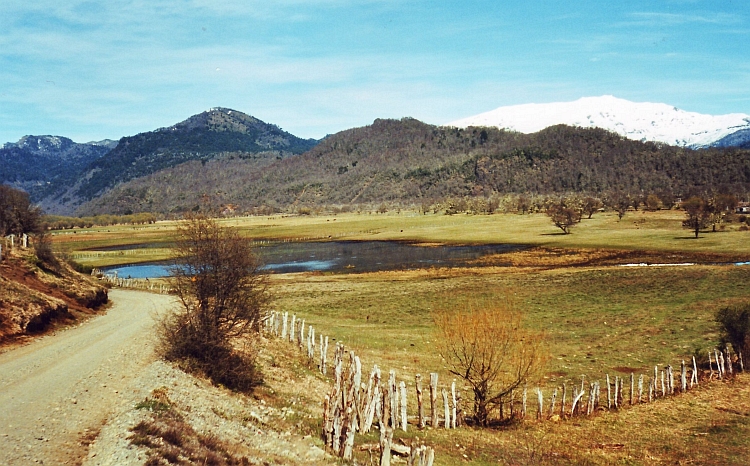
<point x="171" y="440"/>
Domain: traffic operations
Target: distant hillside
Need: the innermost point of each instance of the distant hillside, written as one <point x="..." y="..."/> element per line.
<point x="407" y="161"/>
<point x="219" y="132"/>
<point x="36" y="162"/>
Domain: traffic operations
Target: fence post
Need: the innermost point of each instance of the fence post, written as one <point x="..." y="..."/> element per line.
<point x="402" y="387"/>
<point x="446" y="409"/>
<point x="420" y="406"/>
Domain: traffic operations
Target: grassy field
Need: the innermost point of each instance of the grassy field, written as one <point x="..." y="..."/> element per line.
<point x="598" y="319"/>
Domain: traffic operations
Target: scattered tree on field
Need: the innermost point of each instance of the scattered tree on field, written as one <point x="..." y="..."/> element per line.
<point x="523" y="204"/>
<point x="591" y="205"/>
<point x="653" y="202"/>
<point x="620" y="203"/>
<point x="487" y="346"/>
<point x="699" y="214"/>
<point x="563" y="216"/>
<point x="223" y="299"/>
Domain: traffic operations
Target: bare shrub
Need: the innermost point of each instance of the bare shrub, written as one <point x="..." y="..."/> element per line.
<point x="223" y="299"/>
<point x="487" y="346"/>
<point x="735" y="328"/>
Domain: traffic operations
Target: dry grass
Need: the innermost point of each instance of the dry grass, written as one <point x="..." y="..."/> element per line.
<point x="171" y="440"/>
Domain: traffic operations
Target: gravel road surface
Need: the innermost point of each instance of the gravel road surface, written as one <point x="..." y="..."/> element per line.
<point x="56" y="393"/>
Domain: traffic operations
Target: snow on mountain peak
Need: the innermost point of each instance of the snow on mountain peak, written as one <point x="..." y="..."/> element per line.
<point x="642" y="121"/>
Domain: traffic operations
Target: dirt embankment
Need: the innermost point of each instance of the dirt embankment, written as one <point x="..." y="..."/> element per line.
<point x="37" y="295"/>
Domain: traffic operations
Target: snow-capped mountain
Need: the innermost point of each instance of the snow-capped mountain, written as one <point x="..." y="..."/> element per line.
<point x="634" y="120"/>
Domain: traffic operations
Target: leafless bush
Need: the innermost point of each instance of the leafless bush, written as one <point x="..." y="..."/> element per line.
<point x="223" y="299"/>
<point x="487" y="346"/>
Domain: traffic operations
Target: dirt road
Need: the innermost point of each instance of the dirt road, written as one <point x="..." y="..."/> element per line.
<point x="57" y="392"/>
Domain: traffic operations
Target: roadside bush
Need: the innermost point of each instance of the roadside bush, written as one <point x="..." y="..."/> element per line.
<point x="43" y="250"/>
<point x="223" y="299"/>
<point x="735" y="328"/>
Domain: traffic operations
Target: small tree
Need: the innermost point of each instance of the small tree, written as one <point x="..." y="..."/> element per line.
<point x="17" y="214"/>
<point x="699" y="214"/>
<point x="591" y="205"/>
<point x="735" y="328"/>
<point x="487" y="346"/>
<point x="223" y="299"/>
<point x="653" y="202"/>
<point x="563" y="216"/>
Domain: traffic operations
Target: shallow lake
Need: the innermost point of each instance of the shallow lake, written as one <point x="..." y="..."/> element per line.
<point x="344" y="256"/>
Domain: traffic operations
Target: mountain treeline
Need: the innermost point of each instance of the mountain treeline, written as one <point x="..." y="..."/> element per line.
<point x="406" y="162"/>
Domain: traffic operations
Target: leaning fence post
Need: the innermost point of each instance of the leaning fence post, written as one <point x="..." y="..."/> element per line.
<point x="609" y="393"/>
<point x="540" y="404"/>
<point x="694" y="376"/>
<point x="742" y="365"/>
<point x="402" y="387"/>
<point x="640" y="389"/>
<point x="617" y="391"/>
<point x="446" y="409"/>
<point x="683" y="377"/>
<point x="729" y="360"/>
<point x="433" y="399"/>
<point x="552" y="403"/>
<point x="663" y="389"/>
<point x="386" y="437"/>
<point x="454" y="410"/>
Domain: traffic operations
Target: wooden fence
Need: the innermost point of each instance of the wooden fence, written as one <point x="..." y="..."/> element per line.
<point x="353" y="406"/>
<point x="112" y="279"/>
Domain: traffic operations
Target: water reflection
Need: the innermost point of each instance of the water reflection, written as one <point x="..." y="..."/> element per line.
<point x="345" y="256"/>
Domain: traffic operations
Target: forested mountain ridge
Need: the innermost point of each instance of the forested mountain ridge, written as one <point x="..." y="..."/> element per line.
<point x="35" y="162"/>
<point x="406" y="161"/>
<point x="216" y="133"/>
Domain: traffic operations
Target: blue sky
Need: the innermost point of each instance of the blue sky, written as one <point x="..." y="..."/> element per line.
<point x="93" y="70"/>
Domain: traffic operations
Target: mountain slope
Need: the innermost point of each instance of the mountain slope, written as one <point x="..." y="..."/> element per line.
<point x="34" y="162"/>
<point x="215" y="133"/>
<point x="638" y="121"/>
<point x="407" y="161"/>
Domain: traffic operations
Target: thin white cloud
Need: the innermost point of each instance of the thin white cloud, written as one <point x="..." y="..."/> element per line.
<point x="650" y="18"/>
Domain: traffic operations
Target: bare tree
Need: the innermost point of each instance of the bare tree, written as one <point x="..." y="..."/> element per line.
<point x="699" y="214"/>
<point x="223" y="300"/>
<point x="487" y="346"/>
